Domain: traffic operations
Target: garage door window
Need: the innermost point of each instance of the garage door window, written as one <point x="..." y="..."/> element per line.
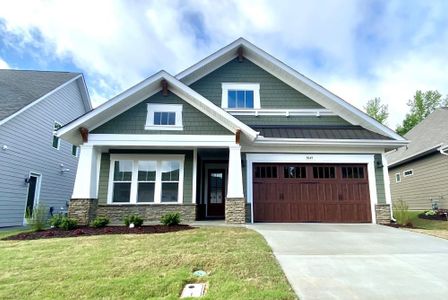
<point x="266" y="172"/>
<point x="294" y="172"/>
<point x="324" y="172"/>
<point x="352" y="172"/>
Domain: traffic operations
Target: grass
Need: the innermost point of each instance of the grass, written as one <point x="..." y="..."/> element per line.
<point x="239" y="262"/>
<point x="426" y="224"/>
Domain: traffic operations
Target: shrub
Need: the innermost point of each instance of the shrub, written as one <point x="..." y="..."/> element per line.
<point x="170" y="219"/>
<point x="430" y="213"/>
<point x="68" y="223"/>
<point x="37" y="218"/>
<point x="56" y="220"/>
<point x="133" y="219"/>
<point x="100" y="222"/>
<point x="401" y="213"/>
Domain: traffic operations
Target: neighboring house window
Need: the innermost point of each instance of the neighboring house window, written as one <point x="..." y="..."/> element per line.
<point x="240" y="96"/>
<point x="408" y="173"/>
<point x="397" y="177"/>
<point x="56" y="140"/>
<point x="146" y="179"/>
<point x="164" y="117"/>
<point x="75" y="150"/>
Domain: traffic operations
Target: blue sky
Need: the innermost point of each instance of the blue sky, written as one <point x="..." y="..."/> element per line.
<point x="357" y="49"/>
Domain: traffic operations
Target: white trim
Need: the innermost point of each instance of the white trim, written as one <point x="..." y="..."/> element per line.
<point x="398" y="179"/>
<point x="408" y="170"/>
<point x="36" y="192"/>
<point x="290" y="77"/>
<point x="312" y="158"/>
<point x="240" y="86"/>
<point x="157" y="107"/>
<point x="386" y="179"/>
<point x="280" y="112"/>
<point x="169" y="140"/>
<point x="194" y="175"/>
<point x="42" y="98"/>
<point x="55" y="136"/>
<point x="158" y="182"/>
<point x="76" y="151"/>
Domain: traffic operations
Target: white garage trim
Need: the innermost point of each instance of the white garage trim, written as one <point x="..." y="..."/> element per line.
<point x="310" y="159"/>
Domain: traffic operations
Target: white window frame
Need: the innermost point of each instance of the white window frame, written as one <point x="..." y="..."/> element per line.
<point x="409" y="170"/>
<point x="77" y="151"/>
<point x="156" y="107"/>
<point x="54" y="135"/>
<point x="397" y="179"/>
<point x="226" y="86"/>
<point x="134" y="180"/>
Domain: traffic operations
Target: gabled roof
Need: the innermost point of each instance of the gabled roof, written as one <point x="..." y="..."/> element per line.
<point x="20" y="89"/>
<point x="142" y="91"/>
<point x="290" y="77"/>
<point x="425" y="138"/>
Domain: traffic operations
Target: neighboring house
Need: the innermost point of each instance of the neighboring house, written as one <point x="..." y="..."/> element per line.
<point x="419" y="172"/>
<point x="240" y="136"/>
<point x="36" y="166"/>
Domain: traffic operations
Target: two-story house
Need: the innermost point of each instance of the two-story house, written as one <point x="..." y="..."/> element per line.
<point x="36" y="167"/>
<point x="239" y="136"/>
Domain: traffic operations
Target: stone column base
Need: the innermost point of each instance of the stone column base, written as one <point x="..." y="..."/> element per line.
<point x="235" y="210"/>
<point x="382" y="213"/>
<point x="83" y="210"/>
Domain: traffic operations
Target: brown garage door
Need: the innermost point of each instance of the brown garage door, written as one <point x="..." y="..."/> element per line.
<point x="311" y="193"/>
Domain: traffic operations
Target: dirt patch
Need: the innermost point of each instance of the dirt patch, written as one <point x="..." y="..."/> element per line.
<point x="88" y="231"/>
<point x="438" y="233"/>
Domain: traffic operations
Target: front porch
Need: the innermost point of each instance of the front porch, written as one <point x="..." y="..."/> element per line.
<point x="201" y="183"/>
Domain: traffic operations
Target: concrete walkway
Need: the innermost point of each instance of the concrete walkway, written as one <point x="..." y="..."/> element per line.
<point x="326" y="261"/>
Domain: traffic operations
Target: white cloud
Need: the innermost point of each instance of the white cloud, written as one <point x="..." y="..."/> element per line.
<point x="4" y="64"/>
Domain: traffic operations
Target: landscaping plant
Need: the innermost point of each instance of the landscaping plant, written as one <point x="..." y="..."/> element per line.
<point x="68" y="223"/>
<point x="133" y="219"/>
<point x="37" y="219"/>
<point x="170" y="219"/>
<point x="100" y="222"/>
<point x="401" y="213"/>
<point x="56" y="220"/>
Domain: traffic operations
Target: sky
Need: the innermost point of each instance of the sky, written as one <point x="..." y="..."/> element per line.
<point x="358" y="49"/>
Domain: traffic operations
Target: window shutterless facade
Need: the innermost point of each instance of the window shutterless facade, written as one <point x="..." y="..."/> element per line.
<point x="164" y="117"/>
<point x="240" y="96"/>
<point x="146" y="179"/>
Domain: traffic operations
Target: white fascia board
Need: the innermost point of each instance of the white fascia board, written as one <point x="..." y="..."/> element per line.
<point x="332" y="142"/>
<point x="157" y="140"/>
<point x="84" y="93"/>
<point x="280" y="112"/>
<point x="39" y="100"/>
<point x="290" y="77"/>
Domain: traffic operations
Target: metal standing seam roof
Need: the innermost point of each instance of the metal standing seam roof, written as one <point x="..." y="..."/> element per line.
<point x="19" y="88"/>
<point x="318" y="132"/>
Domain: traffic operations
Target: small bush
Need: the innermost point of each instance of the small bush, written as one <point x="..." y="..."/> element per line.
<point x="401" y="213"/>
<point x="68" y="223"/>
<point x="38" y="218"/>
<point x="170" y="219"/>
<point x="100" y="222"/>
<point x="430" y="213"/>
<point x="133" y="219"/>
<point x="56" y="220"/>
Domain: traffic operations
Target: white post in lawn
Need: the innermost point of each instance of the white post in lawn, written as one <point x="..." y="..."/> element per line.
<point x="87" y="174"/>
<point x="235" y="177"/>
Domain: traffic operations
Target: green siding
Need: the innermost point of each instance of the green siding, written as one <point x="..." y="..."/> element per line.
<point x="133" y="120"/>
<point x="292" y="120"/>
<point x="379" y="176"/>
<point x="105" y="166"/>
<point x="274" y="93"/>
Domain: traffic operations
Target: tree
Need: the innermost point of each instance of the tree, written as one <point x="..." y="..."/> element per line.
<point x="376" y="110"/>
<point x="421" y="106"/>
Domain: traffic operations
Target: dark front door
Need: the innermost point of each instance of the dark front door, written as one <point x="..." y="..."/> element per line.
<point x="216" y="193"/>
<point x="32" y="185"/>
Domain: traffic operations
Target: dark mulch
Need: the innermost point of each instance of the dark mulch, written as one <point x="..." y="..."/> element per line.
<point x="88" y="231"/>
<point x="395" y="225"/>
<point x="440" y="216"/>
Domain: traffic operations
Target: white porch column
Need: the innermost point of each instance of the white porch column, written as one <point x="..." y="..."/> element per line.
<point x="86" y="181"/>
<point x="235" y="177"/>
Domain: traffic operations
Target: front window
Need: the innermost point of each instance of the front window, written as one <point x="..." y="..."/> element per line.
<point x="164" y="117"/>
<point x="240" y="96"/>
<point x="146" y="179"/>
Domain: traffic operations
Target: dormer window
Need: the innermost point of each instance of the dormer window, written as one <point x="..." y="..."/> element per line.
<point x="237" y="96"/>
<point x="164" y="117"/>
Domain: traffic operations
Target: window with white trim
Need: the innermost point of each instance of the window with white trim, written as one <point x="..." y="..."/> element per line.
<point x="164" y="117"/>
<point x="240" y="96"/>
<point x="408" y="173"/>
<point x="138" y="179"/>
<point x="397" y="177"/>
<point x="75" y="151"/>
<point x="56" y="141"/>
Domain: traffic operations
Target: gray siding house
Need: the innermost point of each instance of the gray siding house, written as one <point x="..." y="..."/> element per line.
<point x="238" y="136"/>
<point x="419" y="172"/>
<point x="35" y="166"/>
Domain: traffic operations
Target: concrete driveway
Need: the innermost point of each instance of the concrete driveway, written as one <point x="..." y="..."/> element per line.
<point x="326" y="261"/>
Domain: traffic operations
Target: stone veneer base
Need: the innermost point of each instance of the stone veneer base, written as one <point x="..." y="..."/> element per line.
<point x="382" y="213"/>
<point x="83" y="210"/>
<point x="235" y="210"/>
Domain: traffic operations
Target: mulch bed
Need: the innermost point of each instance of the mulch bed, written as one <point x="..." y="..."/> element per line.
<point x="437" y="217"/>
<point x="88" y="231"/>
<point x="395" y="225"/>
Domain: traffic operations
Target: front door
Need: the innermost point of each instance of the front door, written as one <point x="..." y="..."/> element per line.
<point x="32" y="194"/>
<point x="216" y="193"/>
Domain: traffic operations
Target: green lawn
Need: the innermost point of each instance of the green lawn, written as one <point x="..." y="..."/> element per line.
<point x="239" y="262"/>
<point x="427" y="224"/>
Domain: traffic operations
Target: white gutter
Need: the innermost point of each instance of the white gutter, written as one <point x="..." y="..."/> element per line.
<point x="443" y="150"/>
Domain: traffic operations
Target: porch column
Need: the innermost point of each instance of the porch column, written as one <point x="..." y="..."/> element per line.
<point x="235" y="206"/>
<point x="84" y="198"/>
